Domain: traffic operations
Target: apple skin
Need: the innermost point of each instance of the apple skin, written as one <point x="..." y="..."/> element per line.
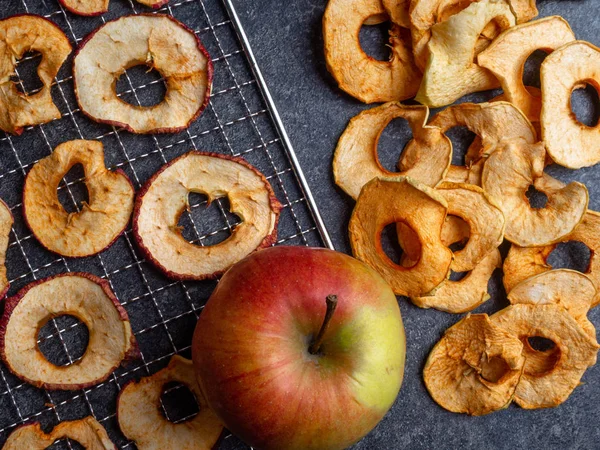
<point x="250" y="349"/>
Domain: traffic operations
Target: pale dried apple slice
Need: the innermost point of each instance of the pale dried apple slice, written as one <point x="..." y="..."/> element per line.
<point x="506" y="58"/>
<point x="84" y="296"/>
<point x="383" y="202"/>
<point x="361" y="76"/>
<point x="85" y="7"/>
<point x="164" y="197"/>
<point x="425" y="158"/>
<point x="88" y="432"/>
<point x="141" y="420"/>
<point x="569" y="142"/>
<point x="575" y="352"/>
<point x="99" y="223"/>
<point x="6" y="222"/>
<point x="475" y="367"/>
<point x="158" y="41"/>
<point x="507" y="175"/>
<point x="451" y="71"/>
<point x="18" y="35"/>
<point x="154" y="4"/>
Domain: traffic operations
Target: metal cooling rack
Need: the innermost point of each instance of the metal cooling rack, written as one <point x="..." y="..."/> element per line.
<point x="241" y="120"/>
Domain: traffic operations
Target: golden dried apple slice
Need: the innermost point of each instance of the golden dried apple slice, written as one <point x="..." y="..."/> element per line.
<point x="383" y="202"/>
<point x="84" y="296"/>
<point x="469" y="174"/>
<point x="164" y="197"/>
<point x="88" y="432"/>
<point x="158" y="41"/>
<point x="361" y="76"/>
<point x="99" y="223"/>
<point x="141" y="420"/>
<point x="426" y="157"/>
<point x="18" y="35"/>
<point x="86" y="7"/>
<point x="550" y="384"/>
<point x="6" y="222"/>
<point x="569" y="142"/>
<point x="475" y="367"/>
<point x="507" y="175"/>
<point x="397" y="10"/>
<point x="506" y="58"/>
<point x="451" y="71"/>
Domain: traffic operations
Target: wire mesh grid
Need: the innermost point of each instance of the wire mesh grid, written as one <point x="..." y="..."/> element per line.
<point x="162" y="312"/>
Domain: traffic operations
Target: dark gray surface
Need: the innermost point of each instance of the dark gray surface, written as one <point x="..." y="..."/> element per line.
<point x="286" y="37"/>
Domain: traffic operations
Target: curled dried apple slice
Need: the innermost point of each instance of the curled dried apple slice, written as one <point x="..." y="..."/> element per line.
<point x="99" y="223"/>
<point x="426" y="157"/>
<point x="545" y="385"/>
<point x="361" y="76"/>
<point x="141" y="420"/>
<point x="383" y="202"/>
<point x="469" y="174"/>
<point x="88" y="432"/>
<point x="19" y="35"/>
<point x="506" y="58"/>
<point x="397" y="10"/>
<point x="569" y="142"/>
<point x="84" y="296"/>
<point x="157" y="41"/>
<point x="475" y="367"/>
<point x="6" y="222"/>
<point x="507" y="175"/>
<point x="162" y="200"/>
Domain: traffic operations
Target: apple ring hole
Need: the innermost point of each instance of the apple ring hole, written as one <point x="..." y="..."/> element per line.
<point x="585" y="104"/>
<point x="66" y="444"/>
<point x="461" y="138"/>
<point x="531" y="68"/>
<point x="63" y="340"/>
<point x="73" y="192"/>
<point x="494" y="369"/>
<point x="541" y="355"/>
<point x="178" y="403"/>
<point x="374" y="39"/>
<point x="537" y="199"/>
<point x="390" y="244"/>
<point x="457" y="276"/>
<point x="27" y="79"/>
<point x="141" y="85"/>
<point x="396" y="135"/>
<point x="574" y="255"/>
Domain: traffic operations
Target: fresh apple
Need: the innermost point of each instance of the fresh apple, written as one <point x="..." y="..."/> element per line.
<point x="300" y="348"/>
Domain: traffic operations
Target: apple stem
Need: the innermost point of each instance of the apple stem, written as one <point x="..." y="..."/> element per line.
<point x="315" y="346"/>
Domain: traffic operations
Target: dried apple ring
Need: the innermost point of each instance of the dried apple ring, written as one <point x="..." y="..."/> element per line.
<point x="18" y="35"/>
<point x="475" y="367"/>
<point x="569" y="142"/>
<point x="361" y="76"/>
<point x="88" y="432"/>
<point x="84" y="296"/>
<point x="397" y="10"/>
<point x="164" y="197"/>
<point x="469" y="174"/>
<point x="6" y="222"/>
<point x="575" y="348"/>
<point x="507" y="175"/>
<point x="85" y="7"/>
<point x="426" y="157"/>
<point x="158" y="41"/>
<point x="506" y="58"/>
<point x="99" y="223"/>
<point x="383" y="202"/>
<point x="141" y="420"/>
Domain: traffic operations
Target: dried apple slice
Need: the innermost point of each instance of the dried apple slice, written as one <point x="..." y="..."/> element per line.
<point x="469" y="174"/>
<point x="6" y="222"/>
<point x="361" y="76"/>
<point x="164" y="197"/>
<point x="397" y="10"/>
<point x="508" y="174"/>
<point x="158" y="41"/>
<point x="99" y="223"/>
<point x="141" y="420"/>
<point x="576" y="351"/>
<point x="18" y="35"/>
<point x="451" y="71"/>
<point x="506" y="58"/>
<point x="569" y="142"/>
<point x="84" y="296"/>
<point x="88" y="432"/>
<point x="383" y="202"/>
<point x="475" y="367"/>
<point x="426" y="157"/>
<point x="86" y="7"/>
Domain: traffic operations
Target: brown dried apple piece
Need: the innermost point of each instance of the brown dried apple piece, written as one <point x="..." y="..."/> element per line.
<point x="361" y="76"/>
<point x="507" y="175"/>
<point x="18" y="35"/>
<point x="164" y="197"/>
<point x="397" y="11"/>
<point x="475" y="367"/>
<point x="99" y="223"/>
<point x="383" y="202"/>
<point x="6" y="222"/>
<point x="469" y="174"/>
<point x="86" y="7"/>
<point x="158" y="41"/>
<point x="141" y="420"/>
<point x="425" y="158"/>
<point x="569" y="142"/>
<point x="575" y="352"/>
<point x="84" y="296"/>
<point x="88" y="432"/>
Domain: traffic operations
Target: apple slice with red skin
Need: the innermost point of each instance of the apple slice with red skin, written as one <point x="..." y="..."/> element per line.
<point x="98" y="7"/>
<point x="252" y="357"/>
